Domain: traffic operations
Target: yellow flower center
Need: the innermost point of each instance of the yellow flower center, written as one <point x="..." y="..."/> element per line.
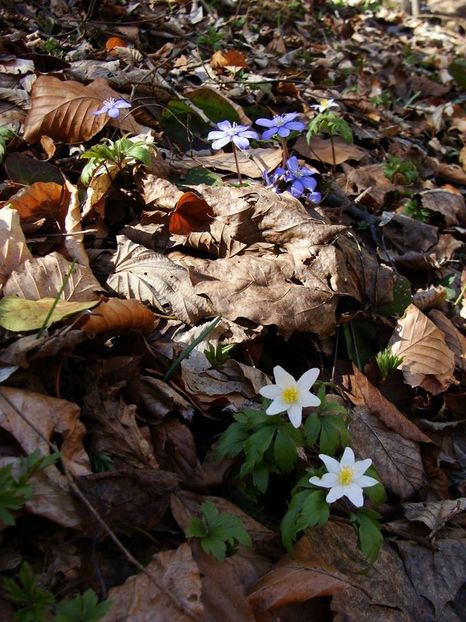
<point x="324" y="103"/>
<point x="290" y="395"/>
<point x="345" y="476"/>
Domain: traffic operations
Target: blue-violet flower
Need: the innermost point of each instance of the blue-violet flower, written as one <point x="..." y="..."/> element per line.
<point x="228" y="132"/>
<point x="112" y="107"/>
<point x="298" y="179"/>
<point x="282" y="125"/>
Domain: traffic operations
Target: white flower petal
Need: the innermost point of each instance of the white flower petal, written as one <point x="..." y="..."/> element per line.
<point x="271" y="391"/>
<point x="276" y="407"/>
<point x="333" y="466"/>
<point x="283" y="378"/>
<point x="295" y="414"/>
<point x="335" y="493"/>
<point x="361" y="466"/>
<point x="221" y="142"/>
<point x="364" y="481"/>
<point x="308" y="378"/>
<point x="308" y="399"/>
<point x="328" y="480"/>
<point x="354" y="494"/>
<point x="215" y="134"/>
<point x="347" y="458"/>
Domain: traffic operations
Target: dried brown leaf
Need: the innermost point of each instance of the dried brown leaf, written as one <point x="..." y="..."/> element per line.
<point x="42" y="277"/>
<point x="118" y="315"/>
<point x="455" y="341"/>
<point x="63" y="111"/>
<point x="13" y="246"/>
<point x="364" y="393"/>
<point x="228" y="58"/>
<point x="435" y="514"/>
<point x="178" y="599"/>
<point x="51" y="416"/>
<point x="251" y="164"/>
<point x="427" y="360"/>
<point x="321" y="149"/>
<point x="450" y="204"/>
<point x="397" y="459"/>
<point x="296" y="579"/>
<point x="150" y="277"/>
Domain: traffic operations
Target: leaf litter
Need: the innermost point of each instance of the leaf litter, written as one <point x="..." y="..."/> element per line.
<point x="123" y="235"/>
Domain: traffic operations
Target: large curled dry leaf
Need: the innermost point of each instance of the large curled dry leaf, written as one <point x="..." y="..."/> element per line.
<point x="427" y="360"/>
<point x="63" y="110"/>
<point x="397" y="459"/>
<point x="150" y="277"/>
<point x="251" y="164"/>
<point x="51" y="416"/>
<point x="454" y="339"/>
<point x="42" y="277"/>
<point x="13" y="247"/>
<point x="116" y="314"/>
<point x="174" y="595"/>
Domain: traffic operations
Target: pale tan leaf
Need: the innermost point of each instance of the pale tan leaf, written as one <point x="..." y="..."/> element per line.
<point x="42" y="277"/>
<point x="435" y="514"/>
<point x="116" y="314"/>
<point x="73" y="242"/>
<point x="453" y="338"/>
<point x="427" y="360"/>
<point x="320" y="149"/>
<point x="13" y="246"/>
<point x="397" y="459"/>
<point x="178" y="599"/>
<point x="150" y="277"/>
<point x="40" y="200"/>
<point x="51" y="416"/>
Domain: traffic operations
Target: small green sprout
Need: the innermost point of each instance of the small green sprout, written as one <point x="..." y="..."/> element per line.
<point x="120" y="153"/>
<point x="413" y="209"/>
<point x="212" y="38"/>
<point x="219" y="354"/>
<point x="220" y="533"/>
<point x="15" y="491"/>
<point x="5" y="135"/>
<point x="405" y="168"/>
<point x="387" y="362"/>
<point x="34" y="603"/>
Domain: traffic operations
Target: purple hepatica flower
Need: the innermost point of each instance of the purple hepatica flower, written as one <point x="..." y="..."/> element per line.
<point x="282" y="125"/>
<point x="112" y="107"/>
<point x="228" y="132"/>
<point x="302" y="180"/>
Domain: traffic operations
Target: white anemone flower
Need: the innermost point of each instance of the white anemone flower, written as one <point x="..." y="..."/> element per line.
<point x="325" y="104"/>
<point x="345" y="478"/>
<point x="291" y="395"/>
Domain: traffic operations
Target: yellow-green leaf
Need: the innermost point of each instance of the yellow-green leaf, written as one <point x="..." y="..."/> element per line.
<point x="18" y="314"/>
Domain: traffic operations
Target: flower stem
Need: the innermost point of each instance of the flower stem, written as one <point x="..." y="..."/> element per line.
<point x="237" y="164"/>
<point x="333" y="153"/>
<point x="285" y="152"/>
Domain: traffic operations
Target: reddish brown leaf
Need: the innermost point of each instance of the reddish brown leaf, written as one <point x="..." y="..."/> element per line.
<point x="228" y="58"/>
<point x="191" y="214"/>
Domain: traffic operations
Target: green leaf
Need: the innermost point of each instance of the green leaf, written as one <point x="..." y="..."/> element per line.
<point x="369" y="533"/>
<point x="21" y="315"/>
<point x="458" y="70"/>
<point x="232" y="441"/>
<point x="315" y="510"/>
<point x="221" y="532"/>
<point x="285" y="450"/>
<point x="82" y="608"/>
<point x="200" y="175"/>
<point x="377" y="493"/>
<point x="401" y="299"/>
<point x="334" y="434"/>
<point x="256" y="446"/>
<point x="260" y="477"/>
<point x="312" y="427"/>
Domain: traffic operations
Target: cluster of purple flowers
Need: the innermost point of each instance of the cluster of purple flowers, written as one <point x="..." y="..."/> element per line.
<point x="299" y="180"/>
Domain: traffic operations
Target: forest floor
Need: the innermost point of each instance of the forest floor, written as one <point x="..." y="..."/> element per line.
<point x="201" y="202"/>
